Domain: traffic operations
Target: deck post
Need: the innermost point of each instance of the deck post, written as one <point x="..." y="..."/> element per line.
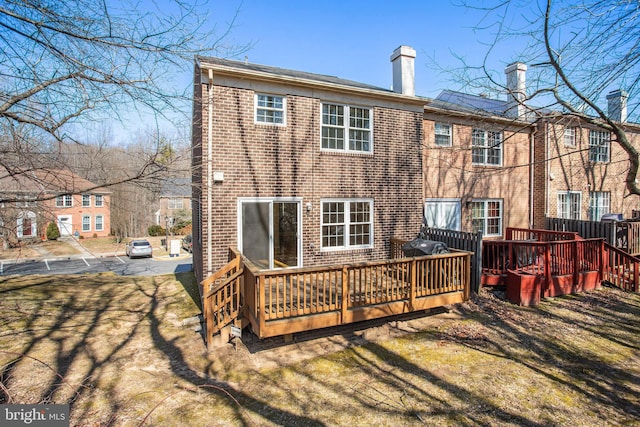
<point x="547" y="268"/>
<point x="261" y="306"/>
<point x="345" y="295"/>
<point x="467" y="281"/>
<point x="412" y="284"/>
<point x="576" y="265"/>
<point x="208" y="321"/>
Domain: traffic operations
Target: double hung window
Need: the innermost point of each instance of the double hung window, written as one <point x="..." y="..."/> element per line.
<point x="599" y="146"/>
<point x="347" y="224"/>
<point x="270" y="109"/>
<point x="486" y="216"/>
<point x="98" y="199"/>
<point x="86" y="200"/>
<point x="64" y="201"/>
<point x="346" y="128"/>
<point x="99" y="223"/>
<point x="442" y="133"/>
<point x="175" y="203"/>
<point x="570" y="136"/>
<point x="486" y="147"/>
<point x="86" y="223"/>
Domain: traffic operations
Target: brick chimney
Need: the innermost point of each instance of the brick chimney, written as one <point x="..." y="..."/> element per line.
<point x="516" y="89"/>
<point x="403" y="59"/>
<point x="617" y="107"/>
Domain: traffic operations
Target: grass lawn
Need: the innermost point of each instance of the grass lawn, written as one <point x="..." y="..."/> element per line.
<point x="117" y="350"/>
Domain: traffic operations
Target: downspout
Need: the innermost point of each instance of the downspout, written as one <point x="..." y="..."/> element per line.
<point x="209" y="175"/>
<point x="547" y="162"/>
<point x="532" y="165"/>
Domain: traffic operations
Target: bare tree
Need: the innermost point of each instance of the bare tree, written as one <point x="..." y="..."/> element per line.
<point x="578" y="52"/>
<point x="64" y="64"/>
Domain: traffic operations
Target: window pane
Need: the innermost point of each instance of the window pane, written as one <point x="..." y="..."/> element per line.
<point x="333" y="138"/>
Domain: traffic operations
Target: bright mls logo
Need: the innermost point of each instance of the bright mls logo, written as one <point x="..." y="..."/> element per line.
<point x="34" y="415"/>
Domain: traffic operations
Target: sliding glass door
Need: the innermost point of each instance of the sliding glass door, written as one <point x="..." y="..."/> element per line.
<point x="270" y="232"/>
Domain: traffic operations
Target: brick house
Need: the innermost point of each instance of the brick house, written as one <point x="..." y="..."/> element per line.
<point x="174" y="203"/>
<point x="584" y="172"/>
<point x="477" y="157"/>
<point x="301" y="169"/>
<point x="35" y="199"/>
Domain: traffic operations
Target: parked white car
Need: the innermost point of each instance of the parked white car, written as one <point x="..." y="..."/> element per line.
<point x="139" y="248"/>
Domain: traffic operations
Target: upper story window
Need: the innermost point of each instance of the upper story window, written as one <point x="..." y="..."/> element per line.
<point x="486" y="147"/>
<point x="99" y="200"/>
<point x="270" y="109"/>
<point x="570" y="136"/>
<point x="346" y="128"/>
<point x="486" y="216"/>
<point x="64" y="201"/>
<point x="443" y="134"/>
<point x="175" y="203"/>
<point x="347" y="224"/>
<point x="86" y="200"/>
<point x="599" y="146"/>
<point x="569" y="203"/>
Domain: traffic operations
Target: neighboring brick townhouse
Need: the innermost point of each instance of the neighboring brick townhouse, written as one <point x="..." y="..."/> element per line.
<point x="36" y="198"/>
<point x="477" y="151"/>
<point x="584" y="174"/>
<point x="301" y="169"/>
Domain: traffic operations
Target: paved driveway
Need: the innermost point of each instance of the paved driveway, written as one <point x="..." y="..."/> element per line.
<point x="80" y="265"/>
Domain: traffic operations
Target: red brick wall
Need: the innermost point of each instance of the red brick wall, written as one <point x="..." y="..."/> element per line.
<point x="77" y="211"/>
<point x="449" y="173"/>
<point x="569" y="168"/>
<point x="286" y="161"/>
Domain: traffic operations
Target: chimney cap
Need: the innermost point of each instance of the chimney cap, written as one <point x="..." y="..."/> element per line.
<point x="617" y="93"/>
<point x="515" y="66"/>
<point x="403" y="51"/>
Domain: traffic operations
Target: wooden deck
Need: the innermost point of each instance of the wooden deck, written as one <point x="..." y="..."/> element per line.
<point x="286" y="301"/>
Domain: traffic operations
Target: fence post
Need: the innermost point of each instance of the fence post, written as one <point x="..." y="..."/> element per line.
<point x="576" y="264"/>
<point x="261" y="305"/>
<point x="477" y="273"/>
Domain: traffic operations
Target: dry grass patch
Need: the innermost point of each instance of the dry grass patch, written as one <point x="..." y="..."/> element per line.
<point x="116" y="349"/>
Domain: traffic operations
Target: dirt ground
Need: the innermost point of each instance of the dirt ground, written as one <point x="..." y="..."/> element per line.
<point x="124" y="351"/>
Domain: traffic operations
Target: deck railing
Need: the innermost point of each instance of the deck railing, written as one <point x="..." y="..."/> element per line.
<point x="621" y="269"/>
<point x="299" y="299"/>
<point x="551" y="258"/>
<point x="538" y="235"/>
<point x="222" y="295"/>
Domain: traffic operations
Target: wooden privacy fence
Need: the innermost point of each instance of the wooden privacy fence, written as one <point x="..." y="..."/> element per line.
<point x="623" y="235"/>
<point x="460" y="240"/>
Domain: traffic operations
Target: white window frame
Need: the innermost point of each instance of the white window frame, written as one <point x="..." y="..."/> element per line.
<point x="486" y="218"/>
<point x="86" y="223"/>
<point x="599" y="146"/>
<point x="329" y="121"/>
<point x="173" y="203"/>
<point x="86" y="200"/>
<point x="483" y="145"/>
<point x="599" y="204"/>
<point x="99" y="200"/>
<point x="345" y="226"/>
<point x="64" y="201"/>
<point x="99" y="223"/>
<point x="569" y="204"/>
<point x="265" y="103"/>
<point x="445" y="132"/>
<point x="570" y="136"/>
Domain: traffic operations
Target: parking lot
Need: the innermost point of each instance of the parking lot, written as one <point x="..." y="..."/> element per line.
<point x="82" y="265"/>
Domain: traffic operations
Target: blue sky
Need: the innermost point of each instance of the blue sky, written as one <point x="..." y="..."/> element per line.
<point x="354" y="39"/>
